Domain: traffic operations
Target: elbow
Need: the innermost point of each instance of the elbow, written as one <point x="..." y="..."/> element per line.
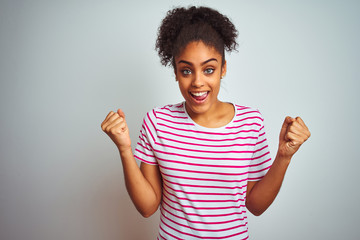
<point x="256" y="211"/>
<point x="146" y="213"/>
<point x="147" y="208"/>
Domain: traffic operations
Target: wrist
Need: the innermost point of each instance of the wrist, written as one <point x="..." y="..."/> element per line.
<point x="281" y="158"/>
<point x="124" y="149"/>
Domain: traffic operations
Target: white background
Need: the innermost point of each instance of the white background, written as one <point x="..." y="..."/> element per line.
<point x="65" y="64"/>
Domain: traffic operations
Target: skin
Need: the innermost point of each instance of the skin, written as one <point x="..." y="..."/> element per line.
<point x="143" y="184"/>
<point x="198" y="69"/>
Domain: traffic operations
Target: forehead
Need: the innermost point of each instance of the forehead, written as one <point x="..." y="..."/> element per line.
<point x="197" y="52"/>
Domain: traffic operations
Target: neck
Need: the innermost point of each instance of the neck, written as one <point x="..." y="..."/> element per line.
<point x="219" y="115"/>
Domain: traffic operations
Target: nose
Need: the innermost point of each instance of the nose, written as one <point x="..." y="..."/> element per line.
<point x="197" y="80"/>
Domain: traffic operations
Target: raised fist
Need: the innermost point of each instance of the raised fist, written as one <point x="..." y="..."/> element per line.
<point x="116" y="128"/>
<point x="293" y="134"/>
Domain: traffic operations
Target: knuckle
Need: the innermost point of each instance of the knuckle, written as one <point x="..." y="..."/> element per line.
<point x="114" y="131"/>
<point x="107" y="129"/>
<point x="103" y="126"/>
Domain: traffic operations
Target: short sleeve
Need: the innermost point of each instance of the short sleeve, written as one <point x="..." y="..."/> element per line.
<point x="261" y="160"/>
<point x="144" y="147"/>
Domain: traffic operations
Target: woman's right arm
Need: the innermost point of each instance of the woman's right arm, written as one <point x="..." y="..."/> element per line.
<point x="143" y="184"/>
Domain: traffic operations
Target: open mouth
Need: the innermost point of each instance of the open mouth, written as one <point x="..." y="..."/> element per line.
<point x="199" y="96"/>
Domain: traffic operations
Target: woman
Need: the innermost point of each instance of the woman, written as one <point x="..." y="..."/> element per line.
<point x="203" y="161"/>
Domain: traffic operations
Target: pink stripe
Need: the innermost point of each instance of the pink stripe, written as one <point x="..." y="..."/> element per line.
<point x="239" y="107"/>
<point x="258" y="164"/>
<point x="192" y="235"/>
<point x="148" y="129"/>
<point x="203" y="193"/>
<point x="261" y="155"/>
<point x="204" y="151"/>
<point x="243" y="119"/>
<point x="212" y="146"/>
<point x="261" y="141"/>
<point x="198" y="157"/>
<point x="181" y="123"/>
<point x="151" y="121"/>
<point x="260" y="149"/>
<point x="203" y="165"/>
<point x="214" y="173"/>
<point x="243" y="113"/>
<point x="200" y="229"/>
<point x="153" y="111"/>
<point x="200" y="222"/>
<point x="211" y="133"/>
<point x="217" y="165"/>
<point x="173" y="111"/>
<point x="206" y="139"/>
<point x="264" y="169"/>
<point x="145" y="140"/>
<point x="204" y="186"/>
<point x="162" y="237"/>
<point x="173" y="116"/>
<point x="143" y="160"/>
<point x="144" y="147"/>
<point x="246" y="124"/>
<point x="202" y="215"/>
<point x="171" y="234"/>
<point x="148" y="155"/>
<point x="204" y="179"/>
<point x="208" y="201"/>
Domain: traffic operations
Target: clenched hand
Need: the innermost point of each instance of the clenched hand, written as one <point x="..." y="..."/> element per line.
<point x="116" y="128"/>
<point x="293" y="134"/>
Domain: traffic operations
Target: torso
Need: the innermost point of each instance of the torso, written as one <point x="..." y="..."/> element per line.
<point x="204" y="170"/>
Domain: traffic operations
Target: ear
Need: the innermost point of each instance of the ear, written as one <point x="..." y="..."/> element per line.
<point x="223" y="70"/>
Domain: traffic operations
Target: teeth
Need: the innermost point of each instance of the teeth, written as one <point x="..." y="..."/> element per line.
<point x="198" y="94"/>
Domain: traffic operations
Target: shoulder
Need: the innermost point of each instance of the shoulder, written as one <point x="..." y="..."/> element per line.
<point x="245" y="110"/>
<point x="167" y="111"/>
<point x="248" y="114"/>
<point x="162" y="115"/>
<point x="170" y="110"/>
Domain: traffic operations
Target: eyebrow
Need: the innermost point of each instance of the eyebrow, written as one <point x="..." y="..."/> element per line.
<point x="203" y="63"/>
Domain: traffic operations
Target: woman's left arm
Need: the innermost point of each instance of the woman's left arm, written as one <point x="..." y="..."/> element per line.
<point x="262" y="193"/>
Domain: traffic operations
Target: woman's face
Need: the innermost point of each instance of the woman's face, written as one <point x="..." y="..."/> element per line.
<point x="198" y="70"/>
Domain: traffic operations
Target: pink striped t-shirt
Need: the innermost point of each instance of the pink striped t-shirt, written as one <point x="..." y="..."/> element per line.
<point x="204" y="170"/>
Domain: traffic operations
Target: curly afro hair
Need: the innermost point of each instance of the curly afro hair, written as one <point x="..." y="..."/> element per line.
<point x="182" y="26"/>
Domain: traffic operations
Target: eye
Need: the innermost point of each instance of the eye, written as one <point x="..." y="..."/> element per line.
<point x="209" y="71"/>
<point x="186" y="72"/>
